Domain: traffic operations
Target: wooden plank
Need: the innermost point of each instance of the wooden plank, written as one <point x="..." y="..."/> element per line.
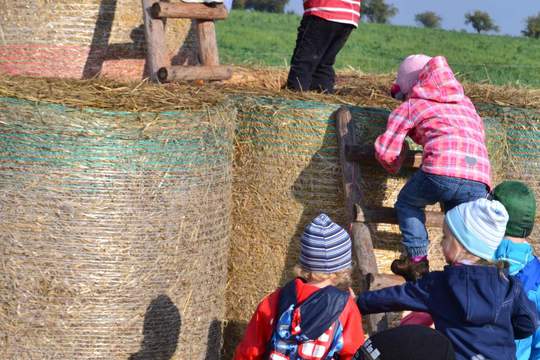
<point x="188" y="73"/>
<point x="387" y="215"/>
<point x="206" y="35"/>
<point x="360" y="233"/>
<point x="156" y="48"/>
<point x="350" y="170"/>
<point x="183" y="10"/>
<point x="381" y="281"/>
<point x="365" y="155"/>
<point x="367" y="264"/>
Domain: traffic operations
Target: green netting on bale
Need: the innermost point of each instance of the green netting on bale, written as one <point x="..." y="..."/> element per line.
<point x="522" y="127"/>
<point x="114" y="232"/>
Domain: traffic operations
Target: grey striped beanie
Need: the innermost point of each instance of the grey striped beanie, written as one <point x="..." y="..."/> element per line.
<point x="325" y="246"/>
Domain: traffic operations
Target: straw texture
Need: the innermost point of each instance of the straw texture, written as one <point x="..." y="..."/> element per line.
<point x="286" y="172"/>
<point x="114" y="232"/>
<point x="81" y="39"/>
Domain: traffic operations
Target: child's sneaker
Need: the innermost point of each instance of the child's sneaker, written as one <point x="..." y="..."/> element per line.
<point x="409" y="269"/>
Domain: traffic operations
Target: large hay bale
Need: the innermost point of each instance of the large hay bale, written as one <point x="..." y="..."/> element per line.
<point x="114" y="231"/>
<point x="522" y="127"/>
<point x="80" y="39"/>
<point x="286" y="172"/>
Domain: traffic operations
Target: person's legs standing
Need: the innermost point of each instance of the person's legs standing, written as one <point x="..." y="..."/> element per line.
<point x="315" y="35"/>
<point x="324" y="76"/>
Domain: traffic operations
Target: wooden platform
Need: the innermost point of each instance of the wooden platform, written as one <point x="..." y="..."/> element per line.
<point x="156" y="13"/>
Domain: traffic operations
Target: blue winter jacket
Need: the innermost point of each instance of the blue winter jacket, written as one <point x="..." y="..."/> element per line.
<point x="479" y="308"/>
<point x="526" y="267"/>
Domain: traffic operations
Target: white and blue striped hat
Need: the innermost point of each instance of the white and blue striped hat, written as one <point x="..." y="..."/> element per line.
<point x="325" y="246"/>
<point x="479" y="226"/>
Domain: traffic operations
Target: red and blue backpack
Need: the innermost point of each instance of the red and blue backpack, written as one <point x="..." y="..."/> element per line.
<point x="310" y="330"/>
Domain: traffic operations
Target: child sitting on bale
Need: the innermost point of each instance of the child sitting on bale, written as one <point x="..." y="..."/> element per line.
<point x="455" y="166"/>
<point x="473" y="301"/>
<point x="520" y="203"/>
<point x="313" y="316"/>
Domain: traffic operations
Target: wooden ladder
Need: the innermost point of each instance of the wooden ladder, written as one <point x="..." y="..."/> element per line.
<point x="156" y="13"/>
<point x="351" y="156"/>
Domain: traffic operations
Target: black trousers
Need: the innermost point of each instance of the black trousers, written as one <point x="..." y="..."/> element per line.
<point x="317" y="45"/>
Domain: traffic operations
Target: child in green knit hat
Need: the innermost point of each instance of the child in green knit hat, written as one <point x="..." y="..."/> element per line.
<point x="520" y="203"/>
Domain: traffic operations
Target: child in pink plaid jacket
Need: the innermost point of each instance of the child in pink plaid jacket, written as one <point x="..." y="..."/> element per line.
<point x="436" y="114"/>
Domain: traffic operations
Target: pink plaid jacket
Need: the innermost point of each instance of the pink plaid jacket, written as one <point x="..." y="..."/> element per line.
<point x="438" y="116"/>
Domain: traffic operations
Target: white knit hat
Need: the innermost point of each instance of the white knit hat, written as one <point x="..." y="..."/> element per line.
<point x="479" y="226"/>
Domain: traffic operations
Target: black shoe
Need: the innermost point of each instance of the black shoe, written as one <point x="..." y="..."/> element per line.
<point x="409" y="270"/>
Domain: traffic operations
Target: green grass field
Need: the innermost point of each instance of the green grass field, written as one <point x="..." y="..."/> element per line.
<point x="254" y="38"/>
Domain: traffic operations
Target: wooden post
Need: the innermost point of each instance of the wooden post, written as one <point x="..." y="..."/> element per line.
<point x="387" y="215"/>
<point x="187" y="73"/>
<point x="156" y="48"/>
<point x="208" y="50"/>
<point x="181" y="10"/>
<point x="365" y="155"/>
<point x="360" y="233"/>
<point x="350" y="170"/>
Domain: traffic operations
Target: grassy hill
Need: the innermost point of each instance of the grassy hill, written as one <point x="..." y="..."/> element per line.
<point x="255" y="38"/>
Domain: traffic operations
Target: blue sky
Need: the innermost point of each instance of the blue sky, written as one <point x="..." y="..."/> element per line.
<point x="509" y="15"/>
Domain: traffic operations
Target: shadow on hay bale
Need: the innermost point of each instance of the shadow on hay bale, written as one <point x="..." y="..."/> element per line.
<point x="115" y="231"/>
<point x="161" y="330"/>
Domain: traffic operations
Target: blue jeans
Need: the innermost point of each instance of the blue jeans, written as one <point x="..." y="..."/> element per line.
<point x="427" y="189"/>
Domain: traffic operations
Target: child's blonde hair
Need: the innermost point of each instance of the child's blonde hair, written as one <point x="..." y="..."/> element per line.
<point x="340" y="279"/>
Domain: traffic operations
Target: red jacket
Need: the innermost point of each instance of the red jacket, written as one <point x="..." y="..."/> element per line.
<point x="341" y="11"/>
<point x="261" y="326"/>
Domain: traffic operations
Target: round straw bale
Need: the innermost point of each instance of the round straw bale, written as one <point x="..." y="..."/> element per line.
<point x="114" y="231"/>
<point x="81" y="39"/>
<point x="286" y="172"/>
<point x="522" y="142"/>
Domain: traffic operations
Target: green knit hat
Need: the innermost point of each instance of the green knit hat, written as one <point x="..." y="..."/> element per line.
<point x="520" y="204"/>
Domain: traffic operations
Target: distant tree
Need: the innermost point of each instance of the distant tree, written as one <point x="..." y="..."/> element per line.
<point x="532" y="28"/>
<point x="428" y="19"/>
<point x="378" y="11"/>
<point x="276" y="6"/>
<point x="480" y="21"/>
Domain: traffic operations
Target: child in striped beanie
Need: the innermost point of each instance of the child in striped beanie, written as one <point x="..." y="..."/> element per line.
<point x="479" y="308"/>
<point x="313" y="316"/>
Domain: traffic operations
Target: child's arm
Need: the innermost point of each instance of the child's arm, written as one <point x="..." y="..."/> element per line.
<point x="524" y="316"/>
<point x="409" y="296"/>
<point x="259" y="330"/>
<point x="390" y="147"/>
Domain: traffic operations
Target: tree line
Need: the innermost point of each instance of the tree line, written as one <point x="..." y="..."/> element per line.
<point x="378" y="11"/>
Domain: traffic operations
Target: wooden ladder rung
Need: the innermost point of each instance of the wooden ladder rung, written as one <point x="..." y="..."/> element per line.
<point x="187" y="73"/>
<point x="365" y="155"/>
<point x="181" y="10"/>
<point x="387" y="215"/>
